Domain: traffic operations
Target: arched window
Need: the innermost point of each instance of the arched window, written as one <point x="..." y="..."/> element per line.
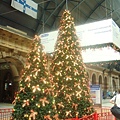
<point x="93" y="79"/>
<point x="100" y="80"/>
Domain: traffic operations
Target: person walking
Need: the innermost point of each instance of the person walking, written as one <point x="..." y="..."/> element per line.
<point x="116" y="100"/>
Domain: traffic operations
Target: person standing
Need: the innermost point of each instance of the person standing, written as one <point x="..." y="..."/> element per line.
<point x="116" y="100"/>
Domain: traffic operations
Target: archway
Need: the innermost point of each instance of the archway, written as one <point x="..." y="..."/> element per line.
<point x="9" y="76"/>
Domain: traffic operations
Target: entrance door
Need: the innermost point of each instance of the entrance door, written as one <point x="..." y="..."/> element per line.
<point x="7" y="88"/>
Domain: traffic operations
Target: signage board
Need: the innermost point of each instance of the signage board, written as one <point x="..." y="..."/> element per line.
<point x="95" y="33"/>
<point x="95" y="91"/>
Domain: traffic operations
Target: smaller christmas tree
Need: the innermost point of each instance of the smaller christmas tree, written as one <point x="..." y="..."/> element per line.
<point x="34" y="99"/>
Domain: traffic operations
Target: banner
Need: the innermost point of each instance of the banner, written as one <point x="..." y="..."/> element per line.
<point x="26" y="6"/>
<point x="96" y="33"/>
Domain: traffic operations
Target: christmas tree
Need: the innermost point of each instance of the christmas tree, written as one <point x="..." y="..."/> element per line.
<point x="34" y="99"/>
<point x="71" y="84"/>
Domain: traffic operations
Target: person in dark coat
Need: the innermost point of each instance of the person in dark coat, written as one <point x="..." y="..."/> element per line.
<point x="116" y="100"/>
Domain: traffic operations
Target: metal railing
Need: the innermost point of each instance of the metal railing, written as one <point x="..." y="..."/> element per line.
<point x="102" y="114"/>
<point x="5" y="114"/>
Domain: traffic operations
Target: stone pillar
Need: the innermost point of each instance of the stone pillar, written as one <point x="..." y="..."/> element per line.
<point x="118" y="81"/>
<point x="110" y="81"/>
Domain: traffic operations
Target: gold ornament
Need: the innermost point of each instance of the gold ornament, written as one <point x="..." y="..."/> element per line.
<point x="27" y="79"/>
<point x="48" y="91"/>
<point x="47" y="117"/>
<point x="60" y="105"/>
<point x="74" y="106"/>
<point x="32" y="115"/>
<point x="56" y="117"/>
<point x="28" y="66"/>
<point x="36" y="88"/>
<point x="68" y="113"/>
<point x="22" y="89"/>
<point x="68" y="97"/>
<point x="68" y="68"/>
<point x="78" y="94"/>
<point x="76" y="72"/>
<point x="26" y="103"/>
<point x="68" y="78"/>
<point x="59" y="73"/>
<point x="44" y="100"/>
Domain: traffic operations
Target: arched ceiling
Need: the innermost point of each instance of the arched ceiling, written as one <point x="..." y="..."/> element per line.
<point x="50" y="11"/>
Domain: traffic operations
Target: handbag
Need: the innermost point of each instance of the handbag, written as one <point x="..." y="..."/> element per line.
<point x="115" y="110"/>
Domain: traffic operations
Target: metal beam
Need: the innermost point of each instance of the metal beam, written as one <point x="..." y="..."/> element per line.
<point x="41" y="19"/>
<point x="99" y="4"/>
<point x="63" y="1"/>
<point x="73" y="8"/>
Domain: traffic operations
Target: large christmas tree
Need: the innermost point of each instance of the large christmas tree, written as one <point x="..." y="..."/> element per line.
<point x="34" y="99"/>
<point x="71" y="84"/>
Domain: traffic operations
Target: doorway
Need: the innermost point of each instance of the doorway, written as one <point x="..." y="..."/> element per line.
<point x="7" y="88"/>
